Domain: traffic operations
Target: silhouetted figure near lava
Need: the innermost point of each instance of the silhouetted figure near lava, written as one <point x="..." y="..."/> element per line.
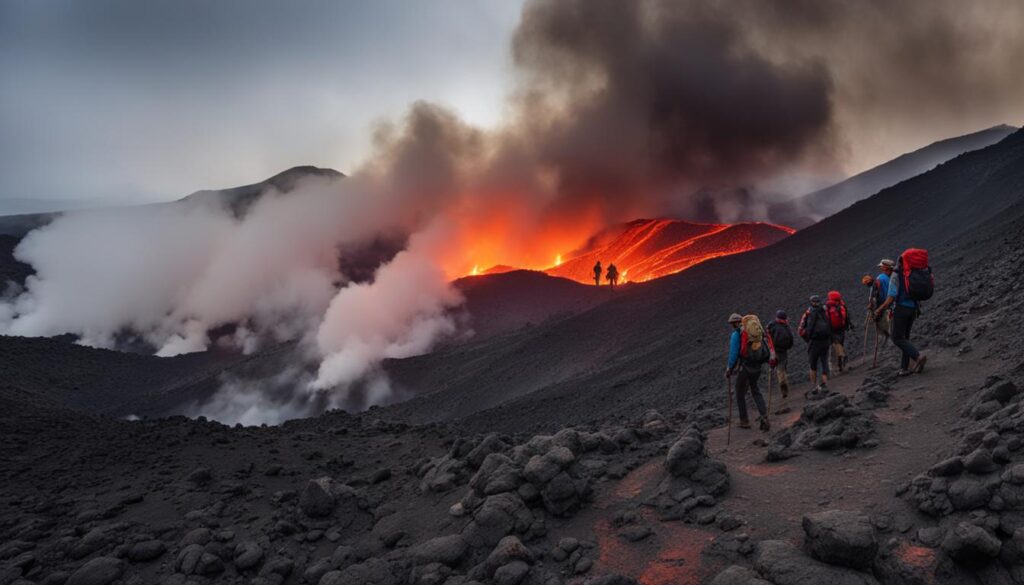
<point x="816" y="330"/>
<point x="597" y="273"/>
<point x="613" y="276"/>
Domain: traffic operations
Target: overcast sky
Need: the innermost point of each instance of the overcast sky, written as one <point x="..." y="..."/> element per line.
<point x="128" y="100"/>
<point x="147" y="100"/>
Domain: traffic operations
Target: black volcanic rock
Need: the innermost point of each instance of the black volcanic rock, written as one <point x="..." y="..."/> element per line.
<point x="841" y="537"/>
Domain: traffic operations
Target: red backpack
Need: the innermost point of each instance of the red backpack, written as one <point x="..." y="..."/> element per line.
<point x="836" y="309"/>
<point x="918" y="282"/>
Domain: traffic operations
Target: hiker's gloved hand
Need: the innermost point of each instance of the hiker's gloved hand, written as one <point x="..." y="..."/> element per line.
<point x="773" y="362"/>
<point x="728" y="372"/>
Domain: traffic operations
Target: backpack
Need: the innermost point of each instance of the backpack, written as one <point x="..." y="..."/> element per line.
<point x="817" y="324"/>
<point x="918" y="283"/>
<point x="836" y="310"/>
<point x="754" y="346"/>
<point x="782" y="335"/>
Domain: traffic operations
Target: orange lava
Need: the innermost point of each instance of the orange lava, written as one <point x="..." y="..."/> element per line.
<point x="642" y="250"/>
<point x="916" y="556"/>
<point x="763" y="470"/>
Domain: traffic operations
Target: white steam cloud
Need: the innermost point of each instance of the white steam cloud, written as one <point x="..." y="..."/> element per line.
<point x="398" y="315"/>
<point x="170" y="274"/>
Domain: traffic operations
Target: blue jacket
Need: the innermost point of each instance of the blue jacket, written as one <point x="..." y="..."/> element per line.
<point x="883" y="288"/>
<point x="894" y="292"/>
<point x="734" y="348"/>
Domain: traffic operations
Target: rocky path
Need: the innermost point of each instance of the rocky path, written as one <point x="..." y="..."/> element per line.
<point x="773" y="496"/>
<point x="768" y="500"/>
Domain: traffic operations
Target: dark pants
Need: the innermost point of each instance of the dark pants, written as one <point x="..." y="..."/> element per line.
<point x="782" y="356"/>
<point x="745" y="380"/>
<point x="817" y="354"/>
<point x="902" y="320"/>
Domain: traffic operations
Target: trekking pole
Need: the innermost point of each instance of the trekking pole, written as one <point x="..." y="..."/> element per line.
<point x="728" y="418"/>
<point x="874" y="360"/>
<point x="771" y="378"/>
<point x="867" y="320"/>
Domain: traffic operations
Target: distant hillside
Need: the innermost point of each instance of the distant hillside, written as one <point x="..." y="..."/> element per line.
<point x="813" y="207"/>
<point x="238" y="199"/>
<point x="22" y="206"/>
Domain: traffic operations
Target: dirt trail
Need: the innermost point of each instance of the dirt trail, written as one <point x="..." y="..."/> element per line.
<point x="773" y="497"/>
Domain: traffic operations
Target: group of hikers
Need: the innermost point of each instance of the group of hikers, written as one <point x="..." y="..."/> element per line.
<point x="894" y="303"/>
<point x="612" y="275"/>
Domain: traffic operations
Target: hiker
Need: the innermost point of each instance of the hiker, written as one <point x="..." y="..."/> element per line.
<point x="613" y="276"/>
<point x="816" y="330"/>
<point x="909" y="284"/>
<point x="782" y="340"/>
<point x="597" y="273"/>
<point x="883" y="323"/>
<point x="749" y="349"/>
<point x="839" y="318"/>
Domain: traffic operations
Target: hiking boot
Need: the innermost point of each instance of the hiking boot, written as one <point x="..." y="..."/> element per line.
<point x="744" y="424"/>
<point x="903" y="372"/>
<point x="785" y="389"/>
<point x="763" y="424"/>
<point x="919" y="366"/>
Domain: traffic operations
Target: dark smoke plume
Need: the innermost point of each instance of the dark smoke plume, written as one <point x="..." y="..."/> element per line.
<point x="652" y="100"/>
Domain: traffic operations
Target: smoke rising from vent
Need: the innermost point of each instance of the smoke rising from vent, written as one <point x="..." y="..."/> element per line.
<point x="623" y="110"/>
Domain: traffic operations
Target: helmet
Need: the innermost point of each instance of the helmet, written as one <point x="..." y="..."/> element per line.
<point x="866" y="280"/>
<point x="835" y="296"/>
<point x="780" y="314"/>
<point x="815" y="300"/>
<point x="735" y="318"/>
<point x="887" y="263"/>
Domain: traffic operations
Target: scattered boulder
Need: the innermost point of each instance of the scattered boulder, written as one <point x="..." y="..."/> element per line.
<point x="511" y="574"/>
<point x="497" y="517"/>
<point x="782" y="563"/>
<point x="737" y="575"/>
<point x="971" y="545"/>
<point x="442" y="474"/>
<point x="827" y="423"/>
<point x="248" y="554"/>
<point x="980" y="461"/>
<point x="947" y="467"/>
<point x="316" y="499"/>
<point x="447" y="550"/>
<point x="200" y="476"/>
<point x="147" y="550"/>
<point x="840" y="537"/>
<point x="98" y="571"/>
<point x="684" y="456"/>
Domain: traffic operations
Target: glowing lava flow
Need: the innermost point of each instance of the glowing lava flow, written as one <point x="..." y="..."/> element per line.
<point x="646" y="249"/>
